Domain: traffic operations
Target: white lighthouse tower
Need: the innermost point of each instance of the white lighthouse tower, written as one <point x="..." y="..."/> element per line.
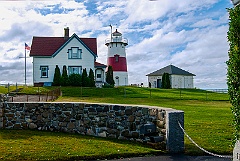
<point x="117" y="58"/>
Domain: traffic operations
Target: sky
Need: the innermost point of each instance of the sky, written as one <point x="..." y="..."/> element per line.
<point x="190" y="34"/>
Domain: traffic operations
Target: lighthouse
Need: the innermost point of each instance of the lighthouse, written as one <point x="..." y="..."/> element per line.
<point x="117" y="58"/>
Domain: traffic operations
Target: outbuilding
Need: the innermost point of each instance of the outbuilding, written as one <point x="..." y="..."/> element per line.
<point x="179" y="78"/>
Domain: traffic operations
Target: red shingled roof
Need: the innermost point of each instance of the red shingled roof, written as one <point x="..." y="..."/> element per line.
<point x="97" y="64"/>
<point x="47" y="46"/>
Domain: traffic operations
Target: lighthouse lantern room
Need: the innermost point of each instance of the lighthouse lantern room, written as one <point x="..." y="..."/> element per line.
<point x="117" y="58"/>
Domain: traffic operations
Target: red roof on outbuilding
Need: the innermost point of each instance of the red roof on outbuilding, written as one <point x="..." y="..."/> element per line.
<point x="47" y="46"/>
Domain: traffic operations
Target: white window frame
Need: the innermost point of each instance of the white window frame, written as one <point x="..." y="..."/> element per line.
<point x="75" y="70"/>
<point x="44" y="69"/>
<point x="74" y="53"/>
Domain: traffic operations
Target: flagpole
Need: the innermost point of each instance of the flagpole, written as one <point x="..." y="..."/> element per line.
<point x="25" y="66"/>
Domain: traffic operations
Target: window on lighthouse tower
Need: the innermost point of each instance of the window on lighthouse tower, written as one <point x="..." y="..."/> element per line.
<point x="116" y="58"/>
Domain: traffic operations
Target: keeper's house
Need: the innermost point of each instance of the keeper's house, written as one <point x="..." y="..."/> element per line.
<point x="73" y="52"/>
<point x="179" y="78"/>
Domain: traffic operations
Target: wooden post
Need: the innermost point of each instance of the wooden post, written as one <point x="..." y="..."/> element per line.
<point x="180" y="93"/>
<point x="206" y="95"/>
<point x="38" y="95"/>
<point x="52" y="95"/>
<point x="150" y="93"/>
<point x="47" y="97"/>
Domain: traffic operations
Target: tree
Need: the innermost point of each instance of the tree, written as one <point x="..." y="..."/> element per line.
<point x="233" y="72"/>
<point x="85" y="79"/>
<point x="166" y="81"/>
<point x="109" y="76"/>
<point x="57" y="77"/>
<point x="75" y="80"/>
<point x="64" y="79"/>
<point x="91" y="78"/>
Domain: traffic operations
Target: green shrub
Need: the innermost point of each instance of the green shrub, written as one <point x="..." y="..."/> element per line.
<point x="64" y="79"/>
<point x="75" y="80"/>
<point x="91" y="78"/>
<point x="57" y="77"/>
<point x="109" y="76"/>
<point x="233" y="74"/>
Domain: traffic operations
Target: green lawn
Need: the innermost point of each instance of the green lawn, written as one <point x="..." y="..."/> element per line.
<point x="39" y="145"/>
<point x="208" y="117"/>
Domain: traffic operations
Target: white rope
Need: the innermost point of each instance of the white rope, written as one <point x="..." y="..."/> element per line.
<point x="216" y="155"/>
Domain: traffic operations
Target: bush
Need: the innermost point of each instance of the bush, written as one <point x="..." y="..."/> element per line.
<point x="109" y="76"/>
<point x="91" y="78"/>
<point x="64" y="79"/>
<point x="75" y="80"/>
<point x="233" y="74"/>
<point x="106" y="85"/>
<point x="166" y="81"/>
<point x="57" y="77"/>
<point x="85" y="80"/>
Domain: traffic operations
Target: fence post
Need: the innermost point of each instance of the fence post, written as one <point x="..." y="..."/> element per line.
<point x="175" y="135"/>
<point x="1" y="115"/>
<point x="8" y="88"/>
<point x="16" y="87"/>
<point x="125" y="92"/>
<point x="150" y="93"/>
<point x="52" y="95"/>
<point x="47" y="97"/>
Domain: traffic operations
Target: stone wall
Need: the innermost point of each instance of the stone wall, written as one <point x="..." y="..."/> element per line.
<point x="136" y="123"/>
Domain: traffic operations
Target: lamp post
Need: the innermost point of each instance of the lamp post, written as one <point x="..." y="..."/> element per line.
<point x="235" y="2"/>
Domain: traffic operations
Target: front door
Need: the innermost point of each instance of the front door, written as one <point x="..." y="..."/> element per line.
<point x="159" y="83"/>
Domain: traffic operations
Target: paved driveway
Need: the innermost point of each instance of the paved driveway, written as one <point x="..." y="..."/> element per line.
<point x="174" y="158"/>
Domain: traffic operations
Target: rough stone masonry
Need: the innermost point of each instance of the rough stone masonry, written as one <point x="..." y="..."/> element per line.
<point x="136" y="123"/>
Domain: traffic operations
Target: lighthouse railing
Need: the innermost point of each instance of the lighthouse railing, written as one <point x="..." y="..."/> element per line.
<point x="123" y="40"/>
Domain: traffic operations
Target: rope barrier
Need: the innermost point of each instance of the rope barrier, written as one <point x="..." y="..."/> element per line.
<point x="216" y="155"/>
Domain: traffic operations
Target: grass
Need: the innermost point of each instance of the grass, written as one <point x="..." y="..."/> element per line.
<point x="39" y="145"/>
<point x="25" y="89"/>
<point x="207" y="115"/>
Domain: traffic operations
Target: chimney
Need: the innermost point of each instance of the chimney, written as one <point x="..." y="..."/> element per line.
<point x="66" y="33"/>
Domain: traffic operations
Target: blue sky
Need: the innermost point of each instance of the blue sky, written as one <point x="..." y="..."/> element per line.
<point x="189" y="34"/>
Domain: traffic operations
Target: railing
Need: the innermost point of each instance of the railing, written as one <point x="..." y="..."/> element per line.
<point x="38" y="97"/>
<point x="123" y="40"/>
<point x="217" y="90"/>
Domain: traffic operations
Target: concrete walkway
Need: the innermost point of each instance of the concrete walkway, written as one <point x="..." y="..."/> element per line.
<point x="174" y="158"/>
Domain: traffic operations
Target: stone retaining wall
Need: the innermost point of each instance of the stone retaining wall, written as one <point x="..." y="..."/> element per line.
<point x="137" y="123"/>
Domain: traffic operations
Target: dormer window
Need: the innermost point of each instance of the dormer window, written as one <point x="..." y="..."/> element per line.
<point x="74" y="53"/>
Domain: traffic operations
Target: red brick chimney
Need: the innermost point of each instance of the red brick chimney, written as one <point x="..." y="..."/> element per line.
<point x="66" y="33"/>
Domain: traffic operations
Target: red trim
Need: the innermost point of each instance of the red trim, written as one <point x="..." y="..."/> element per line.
<point x="121" y="65"/>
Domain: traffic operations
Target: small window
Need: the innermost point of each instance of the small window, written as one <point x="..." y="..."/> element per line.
<point x="74" y="70"/>
<point x="75" y="53"/>
<point x="44" y="71"/>
<point x="116" y="58"/>
<point x="99" y="75"/>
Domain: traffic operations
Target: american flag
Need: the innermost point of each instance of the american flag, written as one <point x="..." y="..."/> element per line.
<point x="27" y="47"/>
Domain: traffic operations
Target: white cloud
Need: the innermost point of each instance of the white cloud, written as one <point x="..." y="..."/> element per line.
<point x="189" y="35"/>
